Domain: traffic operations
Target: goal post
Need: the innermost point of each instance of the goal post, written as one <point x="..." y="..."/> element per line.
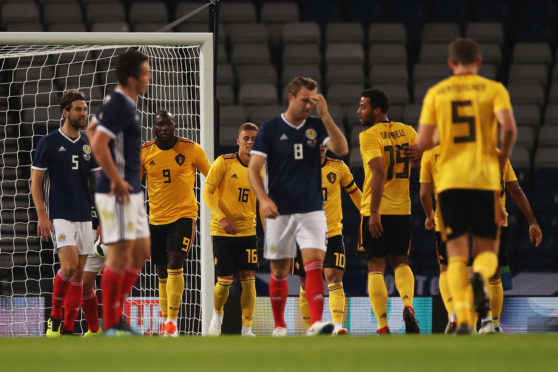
<point x="35" y="68"/>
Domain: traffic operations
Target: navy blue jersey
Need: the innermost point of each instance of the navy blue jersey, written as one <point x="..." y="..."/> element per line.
<point x="68" y="164"/>
<point x="294" y="175"/>
<point x="119" y="119"/>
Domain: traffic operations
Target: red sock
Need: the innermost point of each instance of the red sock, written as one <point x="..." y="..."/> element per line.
<point x="315" y="289"/>
<point x="71" y="305"/>
<point x="278" y="291"/>
<point x="130" y="277"/>
<point x="90" y="308"/>
<point x="61" y="284"/>
<point x="110" y="286"/>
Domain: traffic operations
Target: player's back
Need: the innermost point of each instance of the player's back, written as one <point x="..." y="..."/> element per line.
<point x="463" y="109"/>
<point x="335" y="174"/>
<point x="389" y="141"/>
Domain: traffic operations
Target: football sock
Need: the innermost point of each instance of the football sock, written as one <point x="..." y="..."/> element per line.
<point x="221" y="293"/>
<point x="458" y="280"/>
<point x="72" y="301"/>
<point x="278" y="291"/>
<point x="61" y="284"/>
<point x="496" y="299"/>
<point x="336" y="302"/>
<point x="486" y="264"/>
<point x="248" y="301"/>
<point x="163" y="304"/>
<point x="315" y="289"/>
<point x="128" y="280"/>
<point x="175" y="288"/>
<point x="110" y="287"/>
<point x="304" y="309"/>
<point x="445" y="292"/>
<point x="377" y="292"/>
<point x="405" y="284"/>
<point x="90" y="308"/>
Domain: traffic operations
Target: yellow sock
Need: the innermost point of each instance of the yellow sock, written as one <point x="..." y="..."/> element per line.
<point x="405" y="284"/>
<point x="304" y="308"/>
<point x="496" y="299"/>
<point x="486" y="264"/>
<point x="445" y="292"/>
<point x="175" y="288"/>
<point x="163" y="298"/>
<point x="377" y="292"/>
<point x="221" y="293"/>
<point x="458" y="280"/>
<point x="470" y="300"/>
<point x="336" y="302"/>
<point x="248" y="301"/>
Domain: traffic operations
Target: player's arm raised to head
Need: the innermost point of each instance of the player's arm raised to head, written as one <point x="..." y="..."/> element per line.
<point x="44" y="225"/>
<point x="337" y="142"/>
<point x="269" y="209"/>
<point x="522" y="202"/>
<point x="508" y="133"/>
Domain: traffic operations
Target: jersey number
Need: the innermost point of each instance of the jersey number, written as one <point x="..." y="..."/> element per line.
<point x="252" y="255"/>
<point x="339" y="259"/>
<point x="75" y="162"/>
<point x="469" y="120"/>
<point x="298" y="153"/>
<point x="166" y="174"/>
<point x="186" y="244"/>
<point x="395" y="157"/>
<point x="243" y="194"/>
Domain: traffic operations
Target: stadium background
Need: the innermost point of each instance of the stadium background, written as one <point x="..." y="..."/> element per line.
<point x="398" y="45"/>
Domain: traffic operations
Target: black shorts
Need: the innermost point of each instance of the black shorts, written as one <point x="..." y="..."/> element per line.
<point x="502" y="251"/>
<point x="233" y="254"/>
<point x="468" y="211"/>
<point x="334" y="257"/>
<point x="441" y="249"/>
<point x="177" y="236"/>
<point x="395" y="240"/>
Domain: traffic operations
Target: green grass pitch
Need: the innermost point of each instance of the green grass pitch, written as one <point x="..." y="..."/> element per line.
<point x="531" y="353"/>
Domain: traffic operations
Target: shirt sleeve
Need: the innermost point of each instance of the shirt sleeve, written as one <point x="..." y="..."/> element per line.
<point x="321" y="132"/>
<point x="142" y="164"/>
<point x="428" y="113"/>
<point x="412" y="135"/>
<point x="261" y="145"/>
<point x="501" y="98"/>
<point x="112" y="119"/>
<point x="371" y="147"/>
<point x="202" y="163"/>
<point x="41" y="158"/>
<point x="212" y="182"/>
<point x="425" y="167"/>
<point x="509" y="174"/>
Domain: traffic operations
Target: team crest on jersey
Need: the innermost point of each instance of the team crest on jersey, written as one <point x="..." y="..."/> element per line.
<point x="87" y="152"/>
<point x="180" y="159"/>
<point x="311" y="137"/>
<point x="331" y="177"/>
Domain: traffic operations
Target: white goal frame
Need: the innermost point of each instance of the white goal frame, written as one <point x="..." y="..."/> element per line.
<point x="205" y="43"/>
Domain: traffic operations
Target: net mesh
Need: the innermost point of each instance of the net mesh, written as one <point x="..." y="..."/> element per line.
<point x="32" y="79"/>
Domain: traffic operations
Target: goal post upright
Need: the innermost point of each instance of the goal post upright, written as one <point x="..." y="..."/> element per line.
<point x="204" y="41"/>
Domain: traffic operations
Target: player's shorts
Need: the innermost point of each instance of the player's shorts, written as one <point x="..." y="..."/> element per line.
<point x="177" y="236"/>
<point x="94" y="262"/>
<point x="334" y="258"/>
<point x="233" y="254"/>
<point x="77" y="234"/>
<point x="395" y="240"/>
<point x="282" y="234"/>
<point x="465" y="211"/>
<point x="503" y="251"/>
<point x="127" y="221"/>
<point x="441" y="249"/>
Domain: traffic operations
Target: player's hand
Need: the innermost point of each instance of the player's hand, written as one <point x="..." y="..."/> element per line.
<point x="502" y="216"/>
<point x="121" y="190"/>
<point x="269" y="209"/>
<point x="99" y="233"/>
<point x="429" y="223"/>
<point x="413" y="153"/>
<point x="228" y="226"/>
<point x="535" y="234"/>
<point x="44" y="227"/>
<point x="321" y="104"/>
<point x="375" y="225"/>
<point x="502" y="159"/>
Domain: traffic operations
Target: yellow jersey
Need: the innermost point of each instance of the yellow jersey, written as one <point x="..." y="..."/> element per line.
<point x="508" y="175"/>
<point x="234" y="197"/>
<point x="170" y="176"/>
<point x="463" y="109"/>
<point x="388" y="140"/>
<point x="428" y="169"/>
<point x="336" y="174"/>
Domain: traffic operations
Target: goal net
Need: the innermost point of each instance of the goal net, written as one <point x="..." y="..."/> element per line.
<point x="32" y="79"/>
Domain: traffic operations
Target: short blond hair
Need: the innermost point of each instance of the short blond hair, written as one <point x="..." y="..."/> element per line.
<point x="247" y="126"/>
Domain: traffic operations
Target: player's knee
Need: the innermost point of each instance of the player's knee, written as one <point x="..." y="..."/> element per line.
<point x="246" y="274"/>
<point x="161" y="271"/>
<point x="333" y="276"/>
<point x="175" y="260"/>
